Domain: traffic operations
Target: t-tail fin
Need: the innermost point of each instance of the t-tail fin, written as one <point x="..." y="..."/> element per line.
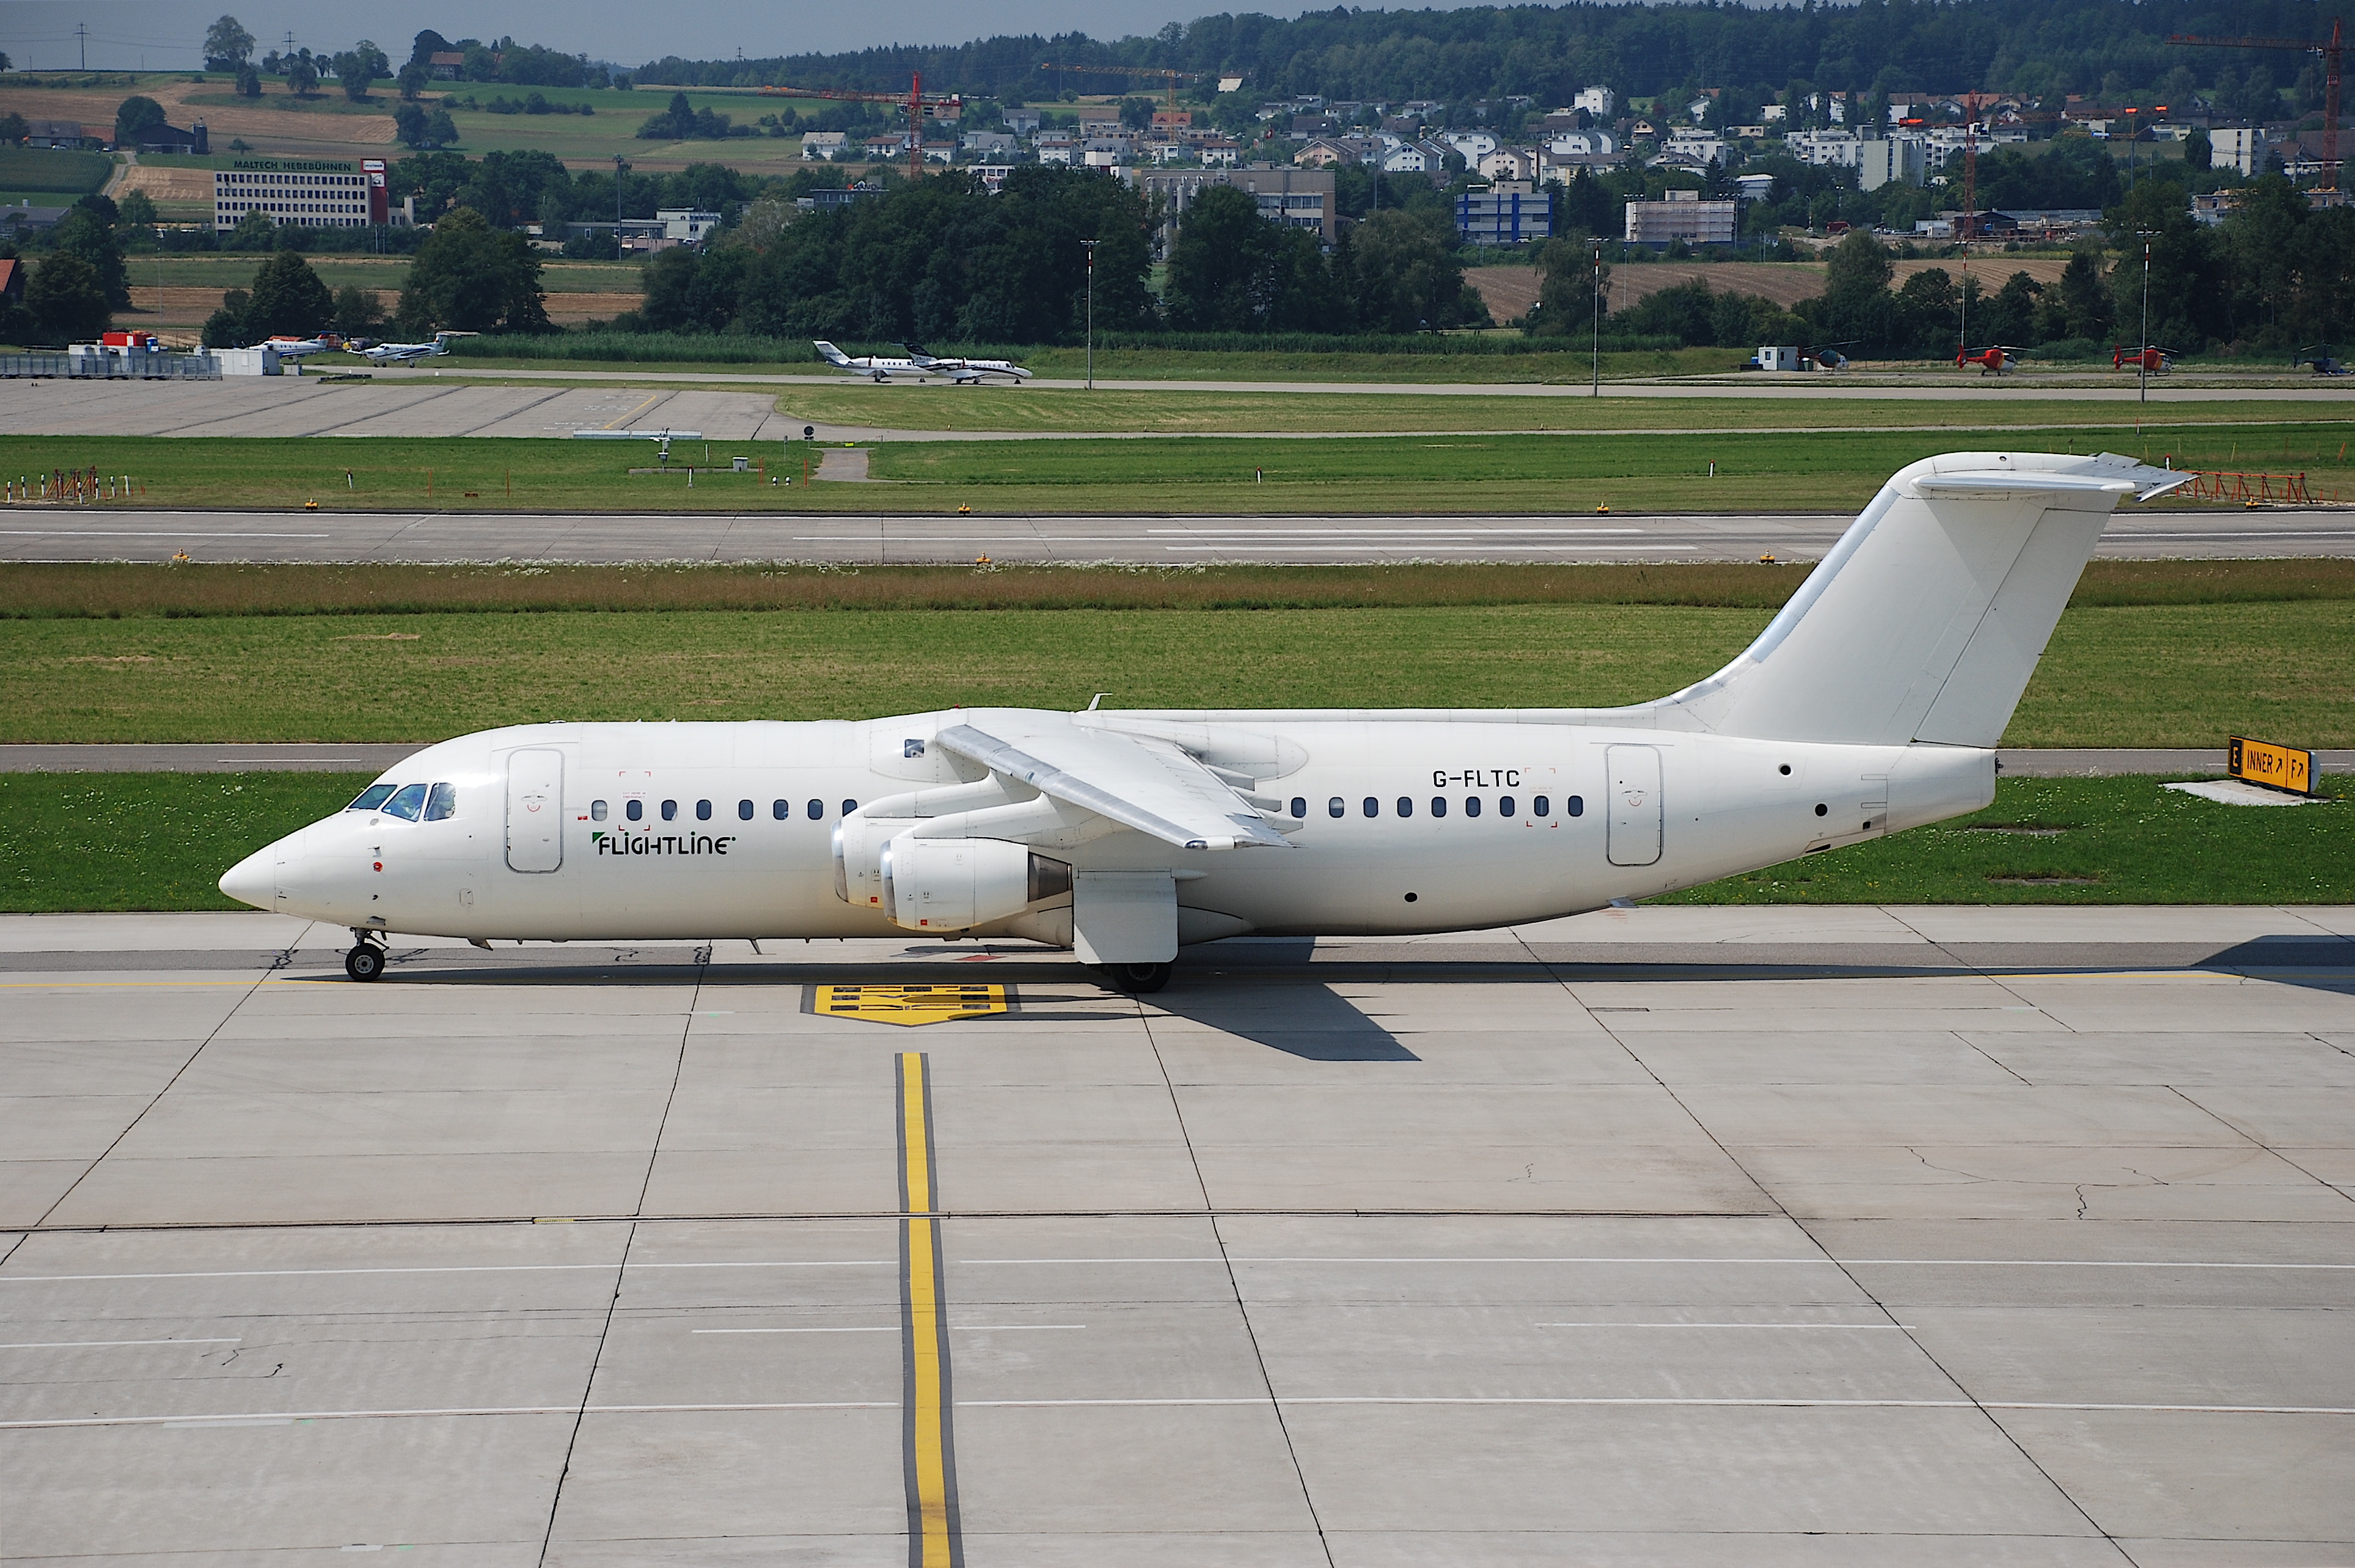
<point x="1926" y="621"/>
<point x="829" y="353"/>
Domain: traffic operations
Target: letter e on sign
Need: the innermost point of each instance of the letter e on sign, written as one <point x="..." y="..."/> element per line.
<point x="2276" y="767"/>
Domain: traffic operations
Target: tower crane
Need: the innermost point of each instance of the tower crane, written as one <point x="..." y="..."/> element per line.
<point x="1170" y="77"/>
<point x="2333" y="52"/>
<point x="914" y="99"/>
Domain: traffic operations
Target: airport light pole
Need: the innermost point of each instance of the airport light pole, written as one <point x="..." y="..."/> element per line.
<point x="1092" y="245"/>
<point x="2142" y="350"/>
<point x="1594" y="337"/>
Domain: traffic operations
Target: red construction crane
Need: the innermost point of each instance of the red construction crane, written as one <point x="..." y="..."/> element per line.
<point x="913" y="98"/>
<point x="2332" y="50"/>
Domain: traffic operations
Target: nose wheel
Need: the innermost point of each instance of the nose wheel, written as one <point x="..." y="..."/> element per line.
<point x="365" y="961"/>
<point x="1138" y="979"/>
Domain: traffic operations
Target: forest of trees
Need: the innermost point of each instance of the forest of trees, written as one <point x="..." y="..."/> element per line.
<point x="1549" y="52"/>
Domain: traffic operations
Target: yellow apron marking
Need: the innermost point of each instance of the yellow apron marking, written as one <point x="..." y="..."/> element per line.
<point x="935" y="1539"/>
<point x="911" y="1005"/>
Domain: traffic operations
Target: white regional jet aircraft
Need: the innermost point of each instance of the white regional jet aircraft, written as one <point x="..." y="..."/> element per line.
<point x="874" y="366"/>
<point x="1871" y="704"/>
<point x="965" y="372"/>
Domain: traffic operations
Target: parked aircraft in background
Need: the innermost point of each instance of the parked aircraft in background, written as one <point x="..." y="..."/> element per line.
<point x="874" y="366"/>
<point x="965" y="372"/>
<point x="1991" y="361"/>
<point x="1872" y="703"/>
<point x="2325" y="363"/>
<point x="2152" y="360"/>
<point x="402" y="353"/>
<point x="302" y="347"/>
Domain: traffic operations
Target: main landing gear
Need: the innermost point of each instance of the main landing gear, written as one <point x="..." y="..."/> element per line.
<point x="1138" y="979"/>
<point x="365" y="961"/>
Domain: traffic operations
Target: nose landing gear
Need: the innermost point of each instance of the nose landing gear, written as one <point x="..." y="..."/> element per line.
<point x="365" y="961"/>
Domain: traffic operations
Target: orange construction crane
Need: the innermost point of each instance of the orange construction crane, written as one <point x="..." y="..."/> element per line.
<point x="917" y="104"/>
<point x="2332" y="50"/>
<point x="1171" y="77"/>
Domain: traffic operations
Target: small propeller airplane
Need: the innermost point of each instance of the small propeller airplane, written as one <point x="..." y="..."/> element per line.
<point x="1992" y="361"/>
<point x="2147" y="358"/>
<point x="2325" y="363"/>
<point x="402" y="353"/>
<point x="1829" y="357"/>
<point x="965" y="372"/>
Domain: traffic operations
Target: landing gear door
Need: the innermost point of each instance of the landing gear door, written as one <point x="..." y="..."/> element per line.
<point x="1634" y="832"/>
<point x="535" y="810"/>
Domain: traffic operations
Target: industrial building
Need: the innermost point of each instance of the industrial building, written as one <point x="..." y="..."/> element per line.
<point x="304" y="193"/>
<point x="1297" y="199"/>
<point x="1683" y="215"/>
<point x="1510" y="212"/>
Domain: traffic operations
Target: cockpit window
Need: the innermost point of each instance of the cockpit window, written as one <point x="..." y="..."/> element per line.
<point x="371" y="797"/>
<point x="443" y="803"/>
<point x="406" y="803"/>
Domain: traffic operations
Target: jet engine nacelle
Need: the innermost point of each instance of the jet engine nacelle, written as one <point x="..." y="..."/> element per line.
<point x="955" y="884"/>
<point x="858" y="858"/>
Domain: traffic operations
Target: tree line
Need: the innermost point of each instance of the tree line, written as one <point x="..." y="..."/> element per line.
<point x="1487" y="53"/>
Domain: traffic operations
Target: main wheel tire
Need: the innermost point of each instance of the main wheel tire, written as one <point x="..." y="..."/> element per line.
<point x="365" y="962"/>
<point x="1140" y="979"/>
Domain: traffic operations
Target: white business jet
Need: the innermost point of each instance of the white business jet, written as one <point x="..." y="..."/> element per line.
<point x="965" y="372"/>
<point x="1871" y="704"/>
<point x="874" y="366"/>
<point x="299" y="347"/>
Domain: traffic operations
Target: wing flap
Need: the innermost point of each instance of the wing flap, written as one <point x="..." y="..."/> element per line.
<point x="1146" y="785"/>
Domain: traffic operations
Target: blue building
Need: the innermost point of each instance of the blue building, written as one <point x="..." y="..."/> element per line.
<point x="1510" y="212"/>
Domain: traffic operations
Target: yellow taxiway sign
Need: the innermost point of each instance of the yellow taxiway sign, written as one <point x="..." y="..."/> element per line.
<point x="911" y="1005"/>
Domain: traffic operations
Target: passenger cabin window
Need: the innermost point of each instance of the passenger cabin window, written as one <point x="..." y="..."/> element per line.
<point x="1471" y="806"/>
<point x="1299" y="806"/>
<point x="1505" y="805"/>
<point x="703" y="811"/>
<point x="1373" y="807"/>
<point x="783" y="810"/>
<point x="670" y="811"/>
<point x="596" y="811"/>
<point x="849" y="807"/>
<point x="1542" y="807"/>
<point x="817" y="811"/>
<point x="1575" y="805"/>
<point x="408" y="803"/>
<point x="635" y="811"/>
<point x="1406" y="805"/>
<point x="743" y="811"/>
<point x="370" y="798"/>
<point x="1438" y="805"/>
<point x="1337" y="807"/>
<point x="443" y="803"/>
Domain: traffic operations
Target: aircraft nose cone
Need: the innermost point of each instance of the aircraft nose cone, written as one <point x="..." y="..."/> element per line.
<point x="254" y="879"/>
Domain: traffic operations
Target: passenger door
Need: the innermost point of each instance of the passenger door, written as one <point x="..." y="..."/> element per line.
<point x="535" y="810"/>
<point x="1633" y="837"/>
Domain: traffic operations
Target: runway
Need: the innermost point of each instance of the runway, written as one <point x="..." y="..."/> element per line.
<point x="871" y="539"/>
<point x="1658" y="1237"/>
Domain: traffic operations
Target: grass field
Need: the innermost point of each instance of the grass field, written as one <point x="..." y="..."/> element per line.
<point x="2125" y="676"/>
<point x="159" y="841"/>
<point x="236" y="271"/>
<point x="183" y="592"/>
<point x="1831" y="471"/>
<point x="63" y="174"/>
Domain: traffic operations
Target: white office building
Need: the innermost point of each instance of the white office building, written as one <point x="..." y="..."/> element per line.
<point x="305" y="195"/>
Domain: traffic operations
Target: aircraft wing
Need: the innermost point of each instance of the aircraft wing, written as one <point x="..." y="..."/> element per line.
<point x="1139" y="782"/>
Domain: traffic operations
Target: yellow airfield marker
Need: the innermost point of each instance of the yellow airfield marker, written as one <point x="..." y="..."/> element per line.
<point x="908" y="1006"/>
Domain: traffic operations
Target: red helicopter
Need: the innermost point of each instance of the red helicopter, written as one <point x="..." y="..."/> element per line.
<point x="2154" y="360"/>
<point x="1991" y="361"/>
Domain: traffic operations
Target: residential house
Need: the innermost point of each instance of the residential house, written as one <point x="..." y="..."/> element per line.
<point x="445" y="64"/>
<point x="12" y="283"/>
<point x="988" y="142"/>
<point x="195" y="141"/>
<point x="67" y="134"/>
<point x="1022" y="121"/>
<point x="1324" y="153"/>
<point x="824" y="143"/>
<point x="886" y="147"/>
<point x="1474" y="145"/>
<point x="1581" y="144"/>
<point x="1057" y="147"/>
<point x="1595" y="101"/>
<point x="1221" y="151"/>
<point x="1405" y="161"/>
<point x="1312" y="126"/>
<point x="1509" y="163"/>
